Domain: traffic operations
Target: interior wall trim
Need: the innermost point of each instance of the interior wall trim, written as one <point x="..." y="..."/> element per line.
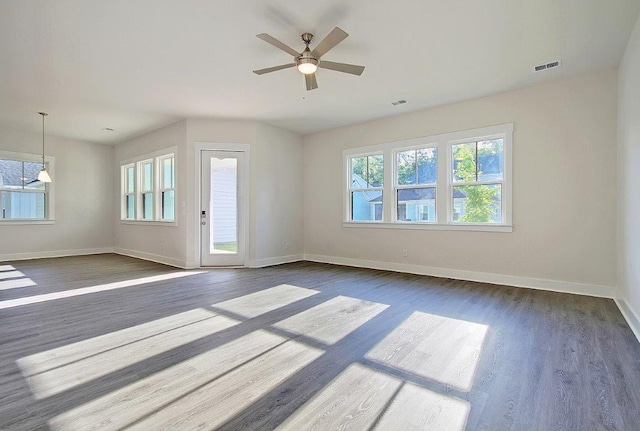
<point x="629" y="315"/>
<point x="152" y="257"/>
<point x="482" y="277"/>
<point x="54" y="253"/>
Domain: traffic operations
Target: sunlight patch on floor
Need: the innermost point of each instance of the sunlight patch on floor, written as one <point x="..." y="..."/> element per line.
<point x="353" y="400"/>
<point x="258" y="303"/>
<point x="10" y="274"/>
<point x="93" y="289"/>
<point x="438" y="348"/>
<point x="52" y="372"/>
<point x="418" y="408"/>
<point x="16" y="283"/>
<point x="148" y="396"/>
<point x="332" y="320"/>
<point x="7" y="267"/>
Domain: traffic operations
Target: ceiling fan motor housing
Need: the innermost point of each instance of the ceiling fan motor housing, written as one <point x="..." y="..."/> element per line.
<point x="306" y="58"/>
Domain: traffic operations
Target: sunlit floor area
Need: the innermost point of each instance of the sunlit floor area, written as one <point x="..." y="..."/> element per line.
<point x="108" y="342"/>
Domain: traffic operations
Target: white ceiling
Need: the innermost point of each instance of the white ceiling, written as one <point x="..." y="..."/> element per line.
<point x="136" y="65"/>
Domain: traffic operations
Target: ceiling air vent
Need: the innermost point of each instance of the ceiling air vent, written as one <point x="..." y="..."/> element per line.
<point x="541" y="67"/>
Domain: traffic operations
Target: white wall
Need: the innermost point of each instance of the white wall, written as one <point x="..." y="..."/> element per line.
<point x="83" y="200"/>
<point x="564" y="200"/>
<point x="278" y="194"/>
<point x="629" y="181"/>
<point x="159" y="242"/>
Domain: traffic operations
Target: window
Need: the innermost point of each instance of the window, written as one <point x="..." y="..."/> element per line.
<point x="167" y="187"/>
<point x="129" y="181"/>
<point x="22" y="196"/>
<point x="416" y="177"/>
<point x="366" y="174"/>
<point x="458" y="180"/>
<point x="148" y="189"/>
<point x="146" y="192"/>
<point x="477" y="174"/>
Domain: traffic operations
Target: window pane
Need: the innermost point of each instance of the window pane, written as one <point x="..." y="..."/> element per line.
<point x="167" y="173"/>
<point x="131" y="180"/>
<point x="490" y="160"/>
<point x="131" y="207"/>
<point x="464" y="162"/>
<point x="168" y="206"/>
<point x="21" y="205"/>
<point x="477" y="204"/>
<point x="359" y="172"/>
<point x="406" y="167"/>
<point x="147" y="206"/>
<point x="366" y="205"/>
<point x="417" y="204"/>
<point x="376" y="170"/>
<point x="147" y="176"/>
<point x="427" y="165"/>
<point x="11" y="175"/>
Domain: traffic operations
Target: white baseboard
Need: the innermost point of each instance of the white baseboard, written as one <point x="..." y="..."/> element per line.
<point x="261" y="263"/>
<point x="482" y="277"/>
<point x="630" y="316"/>
<point x="152" y="257"/>
<point x="54" y="253"/>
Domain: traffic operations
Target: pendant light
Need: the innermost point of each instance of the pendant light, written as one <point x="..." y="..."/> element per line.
<point x="43" y="176"/>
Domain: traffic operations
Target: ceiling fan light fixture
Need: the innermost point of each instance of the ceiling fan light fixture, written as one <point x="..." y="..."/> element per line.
<point x="308" y="65"/>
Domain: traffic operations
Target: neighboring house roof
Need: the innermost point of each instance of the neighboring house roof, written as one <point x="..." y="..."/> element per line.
<point x="419" y="194"/>
<point x="11" y="174"/>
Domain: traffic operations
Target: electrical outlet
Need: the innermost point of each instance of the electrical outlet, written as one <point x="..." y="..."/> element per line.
<point x="405" y="253"/>
<point x="286" y="246"/>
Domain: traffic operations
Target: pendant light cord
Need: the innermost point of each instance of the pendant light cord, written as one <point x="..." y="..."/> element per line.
<point x="44" y="114"/>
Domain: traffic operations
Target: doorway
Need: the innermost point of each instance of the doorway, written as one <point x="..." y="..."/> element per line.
<point x="222" y="213"/>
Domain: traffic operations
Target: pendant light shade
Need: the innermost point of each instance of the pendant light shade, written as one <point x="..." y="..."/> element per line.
<point x="43" y="176"/>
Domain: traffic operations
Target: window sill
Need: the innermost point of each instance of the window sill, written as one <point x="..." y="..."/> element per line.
<point x="149" y="222"/>
<point x="430" y="226"/>
<point x="27" y="222"/>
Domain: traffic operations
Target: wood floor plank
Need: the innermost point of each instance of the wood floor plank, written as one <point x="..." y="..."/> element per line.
<point x="213" y="404"/>
<point x="258" y="303"/>
<point x="354" y="400"/>
<point x="56" y="379"/>
<point x="330" y="321"/>
<point x="418" y="408"/>
<point x="10" y="274"/>
<point x="16" y="283"/>
<point x="438" y="348"/>
<point x="134" y="403"/>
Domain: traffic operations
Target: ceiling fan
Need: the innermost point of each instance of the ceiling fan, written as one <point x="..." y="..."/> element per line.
<point x="308" y="60"/>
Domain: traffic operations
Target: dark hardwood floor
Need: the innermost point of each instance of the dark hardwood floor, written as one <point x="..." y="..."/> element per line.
<point x="110" y="342"/>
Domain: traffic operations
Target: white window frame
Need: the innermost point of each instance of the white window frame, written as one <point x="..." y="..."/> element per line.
<point x="444" y="200"/>
<point x="351" y="189"/>
<point x="155" y="159"/>
<point x="49" y="192"/>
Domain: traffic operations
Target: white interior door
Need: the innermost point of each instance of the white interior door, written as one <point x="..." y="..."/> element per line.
<point x="221" y="213"/>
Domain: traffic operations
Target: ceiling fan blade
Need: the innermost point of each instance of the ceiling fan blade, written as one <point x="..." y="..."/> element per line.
<point x="273" y="69"/>
<point x="311" y="82"/>
<point x="342" y="67"/>
<point x="275" y="42"/>
<point x="336" y="36"/>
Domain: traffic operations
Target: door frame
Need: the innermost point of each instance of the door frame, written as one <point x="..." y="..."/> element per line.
<point x="245" y="180"/>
